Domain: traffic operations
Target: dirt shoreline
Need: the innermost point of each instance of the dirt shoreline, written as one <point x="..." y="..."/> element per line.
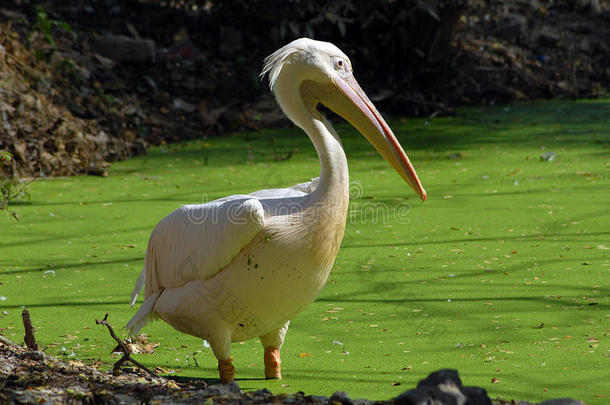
<point x="32" y="377"/>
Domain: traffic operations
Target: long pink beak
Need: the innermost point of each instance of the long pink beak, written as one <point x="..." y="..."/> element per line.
<point x="371" y="124"/>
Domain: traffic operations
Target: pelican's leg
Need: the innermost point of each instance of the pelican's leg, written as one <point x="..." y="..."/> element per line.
<point x="221" y="346"/>
<point x="272" y="342"/>
<point x="226" y="371"/>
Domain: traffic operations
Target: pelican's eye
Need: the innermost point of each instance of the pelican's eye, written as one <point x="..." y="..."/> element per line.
<point x="340" y="64"/>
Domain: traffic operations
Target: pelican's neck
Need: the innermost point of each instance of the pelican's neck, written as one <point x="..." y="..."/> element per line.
<point x="334" y="176"/>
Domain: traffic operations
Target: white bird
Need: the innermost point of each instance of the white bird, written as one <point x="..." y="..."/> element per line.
<point x="242" y="266"/>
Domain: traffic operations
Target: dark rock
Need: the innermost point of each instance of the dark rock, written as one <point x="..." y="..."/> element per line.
<point x="443" y="387"/>
<point x="447" y="395"/>
<point x="476" y="396"/>
<point x="33" y="355"/>
<point x="445" y="376"/>
<point x="224" y="389"/>
<point x="287" y="399"/>
<point x="120" y="48"/>
<point x="340" y="397"/>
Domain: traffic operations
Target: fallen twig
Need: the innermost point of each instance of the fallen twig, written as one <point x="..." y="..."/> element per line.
<point x="30" y="340"/>
<point x="126" y="353"/>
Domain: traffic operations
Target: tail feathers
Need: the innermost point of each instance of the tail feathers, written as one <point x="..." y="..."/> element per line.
<point x="144" y="315"/>
<point x="138" y="287"/>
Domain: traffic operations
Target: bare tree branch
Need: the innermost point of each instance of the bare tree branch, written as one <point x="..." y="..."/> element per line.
<point x="126" y="353"/>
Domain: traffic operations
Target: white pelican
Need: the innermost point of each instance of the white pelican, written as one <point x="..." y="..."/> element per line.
<point x="242" y="266"/>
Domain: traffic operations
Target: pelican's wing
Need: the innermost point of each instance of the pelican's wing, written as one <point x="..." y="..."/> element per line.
<point x="307" y="187"/>
<point x="298" y="190"/>
<point x="196" y="242"/>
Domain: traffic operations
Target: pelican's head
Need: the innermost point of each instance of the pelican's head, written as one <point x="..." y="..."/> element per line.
<point x="322" y="74"/>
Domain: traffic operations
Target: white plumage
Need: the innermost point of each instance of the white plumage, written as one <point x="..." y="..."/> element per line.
<point x="240" y="267"/>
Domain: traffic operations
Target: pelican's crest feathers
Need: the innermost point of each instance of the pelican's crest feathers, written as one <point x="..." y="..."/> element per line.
<point x="273" y="63"/>
<point x="309" y="48"/>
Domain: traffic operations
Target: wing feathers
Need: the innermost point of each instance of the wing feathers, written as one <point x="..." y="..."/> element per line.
<point x="139" y="284"/>
<point x="197" y="241"/>
<point x="144" y="315"/>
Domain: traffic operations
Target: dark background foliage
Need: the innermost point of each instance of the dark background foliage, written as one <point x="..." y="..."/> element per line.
<point x="87" y="82"/>
<point x="391" y="43"/>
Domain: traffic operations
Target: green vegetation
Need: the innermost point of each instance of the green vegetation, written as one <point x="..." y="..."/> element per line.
<point x="502" y="274"/>
<point x="11" y="188"/>
<point x="46" y="25"/>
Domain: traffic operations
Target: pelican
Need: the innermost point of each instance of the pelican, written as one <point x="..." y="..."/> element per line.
<point x="242" y="266"/>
